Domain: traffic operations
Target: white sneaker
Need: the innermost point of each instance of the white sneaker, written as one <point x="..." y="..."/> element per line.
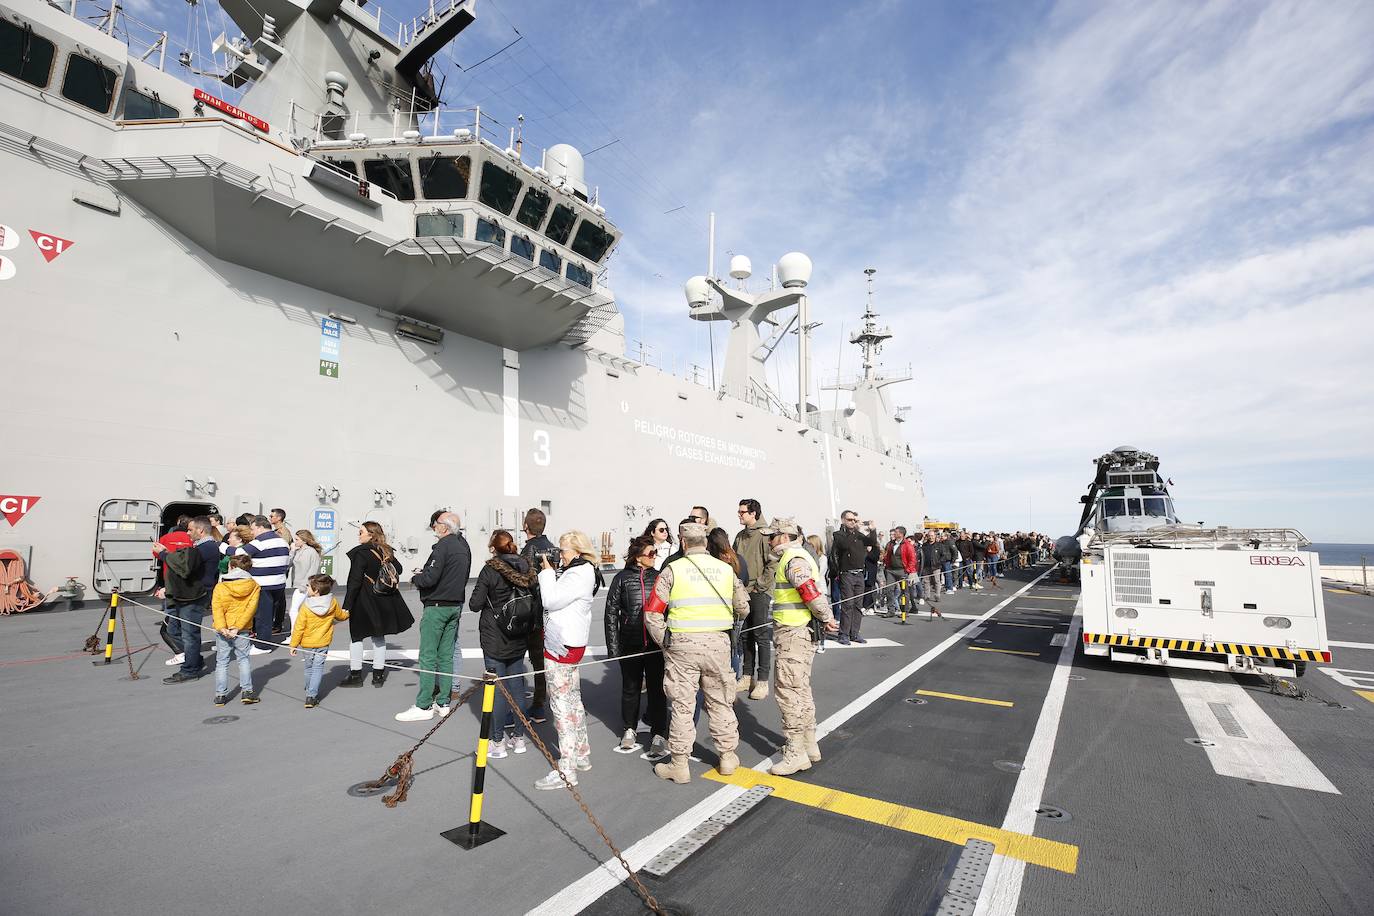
<point x="518" y="745"/>
<point x="554" y="780"/>
<point x="658" y="747"/>
<point x="259" y="650"/>
<point x="627" y="740"/>
<point x="584" y="764"/>
<point x="415" y="714"/>
<point x="175" y="660"/>
<point x="820" y="648"/>
<point x="442" y="710"/>
<point x="920" y="601"/>
<point x="496" y="750"/>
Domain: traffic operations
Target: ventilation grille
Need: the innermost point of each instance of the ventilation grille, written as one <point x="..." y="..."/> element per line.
<point x="1131" y="579"/>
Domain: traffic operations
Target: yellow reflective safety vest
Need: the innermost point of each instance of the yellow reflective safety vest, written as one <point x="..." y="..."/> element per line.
<point x="789" y="610"/>
<point x="701" y="598"/>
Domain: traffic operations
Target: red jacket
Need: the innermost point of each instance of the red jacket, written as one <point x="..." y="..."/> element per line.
<point x="907" y="554"/>
<point x="173" y="540"/>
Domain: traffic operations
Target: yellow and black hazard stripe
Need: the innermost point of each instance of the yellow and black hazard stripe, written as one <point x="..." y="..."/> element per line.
<point x="1215" y="648"/>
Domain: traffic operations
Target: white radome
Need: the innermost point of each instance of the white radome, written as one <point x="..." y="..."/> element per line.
<point x="794" y="270"/>
<point x="564" y="161"/>
<point x="740" y="267"/>
<point x="698" y="291"/>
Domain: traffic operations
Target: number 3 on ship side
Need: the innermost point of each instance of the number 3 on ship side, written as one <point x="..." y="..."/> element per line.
<point x="542" y="455"/>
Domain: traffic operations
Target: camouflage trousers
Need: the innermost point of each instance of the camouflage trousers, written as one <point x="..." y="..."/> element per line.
<point x="794" y="652"/>
<point x="700" y="661"/>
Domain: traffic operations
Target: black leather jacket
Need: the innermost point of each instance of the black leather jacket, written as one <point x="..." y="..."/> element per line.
<point x="625" y="600"/>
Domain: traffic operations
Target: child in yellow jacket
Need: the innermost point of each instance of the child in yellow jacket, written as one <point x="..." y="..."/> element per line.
<point x="314" y="630"/>
<point x="233" y="605"/>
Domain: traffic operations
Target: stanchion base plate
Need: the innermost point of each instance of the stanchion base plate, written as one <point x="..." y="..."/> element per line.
<point x="463" y="836"/>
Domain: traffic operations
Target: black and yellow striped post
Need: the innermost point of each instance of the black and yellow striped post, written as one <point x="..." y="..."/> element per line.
<point x="903" y="598"/>
<point x="110" y="630"/>
<point x="477" y="831"/>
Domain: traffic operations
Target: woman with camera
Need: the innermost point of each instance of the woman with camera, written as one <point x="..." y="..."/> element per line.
<point x="567" y="595"/>
<point x="373" y="600"/>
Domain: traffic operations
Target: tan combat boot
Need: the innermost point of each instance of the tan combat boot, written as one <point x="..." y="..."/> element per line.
<point x="744" y="683"/>
<point x="675" y="769"/>
<point x="794" y="759"/>
<point x="813" y="748"/>
<point x="729" y="762"/>
<point x="760" y="690"/>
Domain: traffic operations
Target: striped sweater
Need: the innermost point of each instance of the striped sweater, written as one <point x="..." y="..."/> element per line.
<point x="271" y="560"/>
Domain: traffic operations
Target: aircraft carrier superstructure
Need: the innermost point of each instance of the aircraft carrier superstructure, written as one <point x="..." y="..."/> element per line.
<point x="331" y="294"/>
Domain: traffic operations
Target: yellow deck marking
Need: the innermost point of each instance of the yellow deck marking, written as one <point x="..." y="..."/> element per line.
<point x="1035" y="850"/>
<point x="960" y="696"/>
<point x="1340" y="591"/>
<point x="1367" y="694"/>
<point x="1006" y="651"/>
<point x="1038" y="626"/>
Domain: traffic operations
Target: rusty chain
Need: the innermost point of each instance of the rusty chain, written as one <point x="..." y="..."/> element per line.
<point x="402" y="768"/>
<point x="639" y="887"/>
<point x="128" y="653"/>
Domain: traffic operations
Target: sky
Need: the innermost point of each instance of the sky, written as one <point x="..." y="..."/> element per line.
<point x="1093" y="223"/>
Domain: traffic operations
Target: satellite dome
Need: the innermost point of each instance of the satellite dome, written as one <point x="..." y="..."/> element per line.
<point x="564" y="161"/>
<point x="698" y="291"/>
<point x="333" y="79"/>
<point x="740" y="268"/>
<point x="794" y="270"/>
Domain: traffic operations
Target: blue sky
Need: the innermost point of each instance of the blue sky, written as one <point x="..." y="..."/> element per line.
<point x="1094" y="223"/>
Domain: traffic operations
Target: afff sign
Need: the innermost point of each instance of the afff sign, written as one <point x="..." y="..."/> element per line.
<point x="14" y="508"/>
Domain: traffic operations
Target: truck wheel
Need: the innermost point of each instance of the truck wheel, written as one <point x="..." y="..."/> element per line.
<point x="1299" y="669"/>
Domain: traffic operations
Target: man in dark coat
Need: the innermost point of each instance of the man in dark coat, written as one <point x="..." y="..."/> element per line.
<point x="442" y="583"/>
<point x="536" y="546"/>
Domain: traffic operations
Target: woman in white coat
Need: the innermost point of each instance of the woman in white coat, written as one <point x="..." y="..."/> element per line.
<point x="567" y="595"/>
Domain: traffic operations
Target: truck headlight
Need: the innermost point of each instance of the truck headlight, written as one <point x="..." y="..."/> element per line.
<point x="1129" y="613"/>
<point x="1278" y="623"/>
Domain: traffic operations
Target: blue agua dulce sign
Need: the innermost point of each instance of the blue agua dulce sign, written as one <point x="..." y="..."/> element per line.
<point x="323" y="523"/>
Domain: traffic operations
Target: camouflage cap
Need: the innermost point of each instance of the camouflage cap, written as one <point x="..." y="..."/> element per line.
<point x="786" y="526"/>
<point x="694" y="530"/>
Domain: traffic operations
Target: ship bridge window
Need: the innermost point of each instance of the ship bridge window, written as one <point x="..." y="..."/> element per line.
<point x="140" y="107"/>
<point x="560" y="224"/>
<point x="488" y="230"/>
<point x="498" y="188"/>
<point x="533" y="208"/>
<point x="579" y="275"/>
<point x="438" y="224"/>
<point x="89" y="83"/>
<point x="591" y="241"/>
<point x="347" y="166"/>
<point x="445" y="177"/>
<point x="24" y="55"/>
<point x="391" y="175"/>
<point x="551" y="261"/>
<point x="522" y="247"/>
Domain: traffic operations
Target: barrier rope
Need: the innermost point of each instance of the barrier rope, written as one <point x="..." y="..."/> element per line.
<point x="402" y="769"/>
<point x="635" y="882"/>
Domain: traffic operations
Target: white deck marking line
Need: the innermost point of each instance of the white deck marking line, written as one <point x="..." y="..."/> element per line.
<point x="973" y="633"/>
<point x="1350" y="677"/>
<point x="874" y="642"/>
<point x="1267" y="755"/>
<point x="585" y="891"/>
<point x="1352" y="645"/>
<point x="1001" y="892"/>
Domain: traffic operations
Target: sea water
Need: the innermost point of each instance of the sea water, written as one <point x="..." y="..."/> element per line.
<point x="1344" y="554"/>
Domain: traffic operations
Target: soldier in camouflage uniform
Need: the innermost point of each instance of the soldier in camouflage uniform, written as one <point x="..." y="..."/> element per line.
<point x="797" y="601"/>
<point x="695" y="603"/>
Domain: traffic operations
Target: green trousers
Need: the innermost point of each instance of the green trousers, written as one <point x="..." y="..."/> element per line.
<point x="438" y="630"/>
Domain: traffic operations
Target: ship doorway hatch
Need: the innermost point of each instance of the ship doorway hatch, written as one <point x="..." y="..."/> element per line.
<point x="125" y="530"/>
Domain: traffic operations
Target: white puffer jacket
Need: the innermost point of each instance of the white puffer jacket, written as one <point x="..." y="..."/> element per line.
<point x="567" y="601"/>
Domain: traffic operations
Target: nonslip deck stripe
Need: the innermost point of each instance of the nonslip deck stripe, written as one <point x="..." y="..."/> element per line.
<point x="1038" y="626"/>
<point x="1367" y="694"/>
<point x="1004" y="651"/>
<point x="1025" y="847"/>
<point x="1050" y="598"/>
<point x="960" y="696"/>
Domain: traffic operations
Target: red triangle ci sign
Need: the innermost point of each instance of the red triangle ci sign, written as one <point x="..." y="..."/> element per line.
<point x="15" y="508"/>
<point x="50" y="245"/>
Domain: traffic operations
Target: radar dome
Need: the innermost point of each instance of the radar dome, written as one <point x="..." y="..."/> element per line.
<point x="740" y="268"/>
<point x="564" y="161"/>
<point x="698" y="291"/>
<point x="794" y="270"/>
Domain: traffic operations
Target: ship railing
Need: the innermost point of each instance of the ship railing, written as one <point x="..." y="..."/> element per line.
<point x="837" y="379"/>
<point x="142" y="39"/>
<point x="431" y="125"/>
<point x="1196" y="536"/>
